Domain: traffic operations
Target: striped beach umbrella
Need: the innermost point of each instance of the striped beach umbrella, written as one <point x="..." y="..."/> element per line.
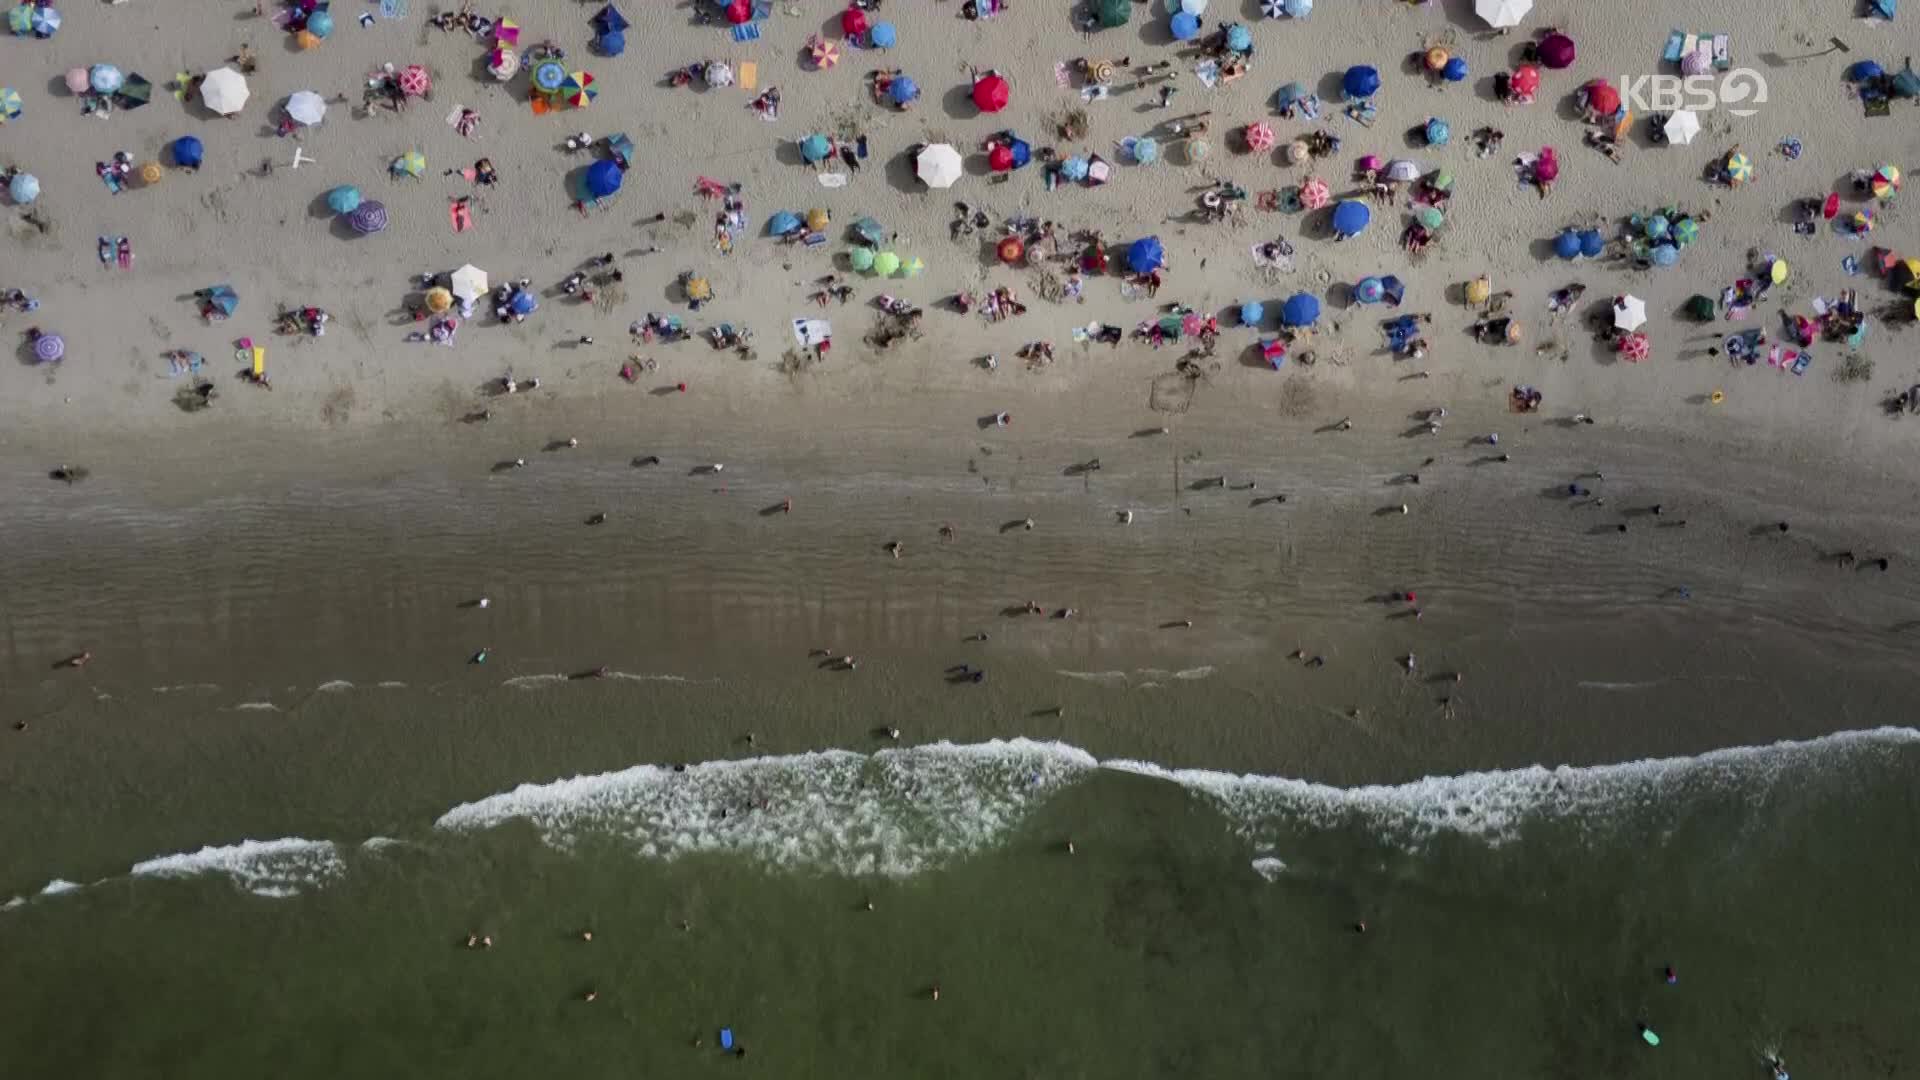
<point x="20" y="19"/>
<point x="1259" y="137"/>
<point x="368" y="217"/>
<point x="10" y="105"/>
<point x="48" y="347"/>
<point x="1739" y="168"/>
<point x="413" y="163"/>
<point x="415" y="81"/>
<point x="579" y="91"/>
<point x="1315" y="193"/>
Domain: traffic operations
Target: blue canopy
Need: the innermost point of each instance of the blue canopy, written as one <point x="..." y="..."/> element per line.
<point x="815" y="147"/>
<point x="903" y="90"/>
<point x="1370" y="290"/>
<point x="1301" y="309"/>
<point x="1455" y="71"/>
<point x="522" y="302"/>
<point x="1361" y="81"/>
<point x="1884" y="8"/>
<point x="1239" y="38"/>
<point x="1350" y="217"/>
<point x="343" y="199"/>
<point x="1567" y="244"/>
<point x="187" y="152"/>
<point x="882" y="35"/>
<point x="611" y="43"/>
<point x="1664" y="255"/>
<point x="1074" y="168"/>
<point x="1592" y="243"/>
<point x="1252" y="312"/>
<point x="782" y="223"/>
<point x="1185" y="26"/>
<point x="609" y="19"/>
<point x="1145" y="255"/>
<point x="603" y="179"/>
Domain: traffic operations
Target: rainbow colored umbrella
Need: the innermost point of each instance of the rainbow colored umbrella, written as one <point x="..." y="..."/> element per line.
<point x="10" y="105"/>
<point x="1739" y="168"/>
<point x="578" y="91"/>
<point x="413" y="163"/>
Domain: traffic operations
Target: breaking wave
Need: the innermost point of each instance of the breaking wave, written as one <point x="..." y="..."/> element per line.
<point x="271" y="868"/>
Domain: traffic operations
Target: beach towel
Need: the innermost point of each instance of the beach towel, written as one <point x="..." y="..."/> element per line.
<point x="461" y="215"/>
<point x="748" y="74"/>
<point x="812" y="332"/>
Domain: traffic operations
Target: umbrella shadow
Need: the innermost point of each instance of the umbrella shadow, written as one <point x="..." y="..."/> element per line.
<point x="1332" y="90"/>
<point x="340" y="229"/>
<point x="1156" y="30"/>
<point x="318" y="208"/>
<point x="900" y="173"/>
<point x="1542" y="250"/>
<point x="957" y="103"/>
<point x="1484" y="89"/>
<point x="787" y="152"/>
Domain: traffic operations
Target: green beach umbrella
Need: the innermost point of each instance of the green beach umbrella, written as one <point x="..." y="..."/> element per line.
<point x="886" y="264"/>
<point x="1430" y="216"/>
<point x="860" y="258"/>
<point x="1685" y="231"/>
<point x="1700" y="307"/>
<point x="1115" y="12"/>
<point x="20" y="19"/>
<point x="1441" y="181"/>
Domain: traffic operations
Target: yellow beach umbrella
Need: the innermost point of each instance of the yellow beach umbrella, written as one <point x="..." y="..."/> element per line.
<point x="1479" y="289"/>
<point x="886" y="264"/>
<point x="1912" y="267"/>
<point x="151" y="172"/>
<point x="699" y="289"/>
<point x="439" y="300"/>
<point x="818" y="219"/>
<point x="1778" y="271"/>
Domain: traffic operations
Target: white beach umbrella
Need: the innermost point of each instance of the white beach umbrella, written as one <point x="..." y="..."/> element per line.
<point x="1501" y="14"/>
<point x="224" y="90"/>
<point x="469" y="283"/>
<point x="1682" y="126"/>
<point x="306" y="107"/>
<point x="938" y="166"/>
<point x="1403" y="170"/>
<point x="1629" y="313"/>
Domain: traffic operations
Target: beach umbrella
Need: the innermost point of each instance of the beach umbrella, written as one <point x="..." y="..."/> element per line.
<point x="1298" y="151"/>
<point x="320" y="23"/>
<point x="10" y="105"/>
<point x="306" y="39"/>
<point x="1700" y="307"/>
<point x="415" y="80"/>
<point x="1370" y="290"/>
<point x="368" y="217"/>
<point x="1197" y="150"/>
<point x="1185" y="27"/>
<point x="825" y="53"/>
<point x="602" y="179"/>
<point x="1831" y="207"/>
<point x="1432" y="217"/>
<point x="1011" y="250"/>
<point x="1629" y="313"/>
<point x="23" y="188"/>
<point x="1191" y="7"/>
<point x="135" y="92"/>
<point x="1556" y="51"/>
<point x="548" y="75"/>
<point x="853" y="22"/>
<point x="306" y="107"/>
<point x="611" y="42"/>
<point x="104" y="78"/>
<point x="1697" y="62"/>
<point x="48" y="348"/>
<point x="1656" y="226"/>
<point x="1259" y="137"/>
<point x="1886" y="181"/>
<point x="1252" y="312"/>
<point x="1739" y="168"/>
<point x="579" y="91"/>
<point x="503" y="62"/>
<point x="522" y="302"/>
<point x="1114" y="13"/>
<point x="1146" y="150"/>
<point x="698" y="288"/>
<point x="913" y="266"/>
<point x="739" y="12"/>
<point x="782" y="223"/>
<point x="1526" y="79"/>
<point x="469" y="283"/>
<point x="938" y="165"/>
<point x="716" y="73"/>
<point x="1501" y="14"/>
<point x="77" y="80"/>
<point x="439" y="300"/>
<point x="1239" y="38"/>
<point x="1438" y="132"/>
<point x="1022" y="151"/>
<point x="20" y="19"/>
<point x="818" y="219"/>
<point x="886" y="264"/>
<point x="1547" y="168"/>
<point x="187" y="151"/>
<point x="1298" y="9"/>
<point x="413" y="163"/>
<point x="609" y="19"/>
<point x="1436" y="60"/>
<point x="883" y="35"/>
<point x="1567" y="244"/>
<point x="221" y="298"/>
<point x="1479" y="290"/>
<point x="1361" y="81"/>
<point x="1602" y="97"/>
<point x="1402" y="170"/>
<point x="1350" y="217"/>
<point x="224" y="91"/>
<point x="1684" y="231"/>
<point x="1592" y="243"/>
<point x="1777" y="271"/>
<point x="1315" y="193"/>
<point x="1663" y="255"/>
<point x="1301" y="309"/>
<point x="1455" y="71"/>
<point x="903" y="90"/>
<point x="870" y="231"/>
<point x="46" y="20"/>
<point x="1441" y="181"/>
<point x="1146" y="255"/>
<point x="1862" y="221"/>
<point x="1289" y="94"/>
<point x="1075" y="168"/>
<point x="1635" y="347"/>
<point x="991" y="93"/>
<point x="343" y="199"/>
<point x="861" y="259"/>
<point x="1100" y="72"/>
<point x="1862" y="70"/>
<point x="815" y="148"/>
<point x="1681" y="127"/>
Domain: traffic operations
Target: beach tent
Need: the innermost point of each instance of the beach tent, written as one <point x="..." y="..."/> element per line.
<point x="224" y="91"/>
<point x="938" y="165"/>
<point x="1502" y="14"/>
<point x="1681" y="127"/>
<point x="1301" y="309"/>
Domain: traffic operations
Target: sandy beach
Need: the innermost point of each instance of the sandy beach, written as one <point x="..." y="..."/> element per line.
<point x="1279" y="573"/>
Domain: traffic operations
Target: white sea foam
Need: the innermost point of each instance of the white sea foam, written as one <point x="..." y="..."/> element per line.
<point x="895" y="813"/>
<point x="18" y="901"/>
<point x="536" y="682"/>
<point x="333" y="686"/>
<point x="533" y="682"/>
<point x="1143" y="679"/>
<point x="256" y="706"/>
<point x="381" y="843"/>
<point x="188" y="688"/>
<point x="58" y="886"/>
<point x="272" y="868"/>
<point x="1269" y="867"/>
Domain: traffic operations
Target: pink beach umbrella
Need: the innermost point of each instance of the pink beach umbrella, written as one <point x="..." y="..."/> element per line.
<point x="1697" y="62"/>
<point x="1259" y="137"/>
<point x="78" y="80"/>
<point x="414" y="81"/>
<point x="1315" y="194"/>
<point x="1636" y="347"/>
<point x="1547" y="169"/>
<point x="1557" y="51"/>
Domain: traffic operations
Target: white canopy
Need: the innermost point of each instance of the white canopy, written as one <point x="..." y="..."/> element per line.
<point x="224" y="90"/>
<point x="938" y="166"/>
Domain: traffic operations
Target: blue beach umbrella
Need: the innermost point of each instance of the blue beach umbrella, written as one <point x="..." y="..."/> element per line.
<point x="1657" y="226"/>
<point x="609" y="18"/>
<point x="1438" y="132"/>
<point x="1664" y="255"/>
<point x="1370" y="290"/>
<point x="1252" y="312"/>
<point x="602" y="179"/>
<point x="1567" y="244"/>
<point x="1301" y="309"/>
<point x="1862" y="70"/>
<point x="20" y="19"/>
<point x="611" y="43"/>
<point x="1074" y="168"/>
<point x="1299" y="9"/>
<point x="223" y="299"/>
<point x="903" y="90"/>
<point x="320" y="24"/>
<point x="548" y="76"/>
<point x="1021" y="150"/>
<point x="1239" y="38"/>
<point x="187" y="152"/>
<point x="24" y="188"/>
<point x="1350" y="217"/>
<point x="1185" y="26"/>
<point x="522" y="303"/>
<point x="1361" y="81"/>
<point x="105" y="78"/>
<point x="782" y="223"/>
<point x="1145" y="255"/>
<point x="815" y="148"/>
<point x="1592" y="243"/>
<point x="1455" y="71"/>
<point x="1289" y="94"/>
<point x="343" y="199"/>
<point x="1145" y="150"/>
<point x="45" y="21"/>
<point x="883" y="35"/>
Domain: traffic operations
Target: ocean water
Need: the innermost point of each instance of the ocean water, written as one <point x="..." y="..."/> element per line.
<point x="1078" y="917"/>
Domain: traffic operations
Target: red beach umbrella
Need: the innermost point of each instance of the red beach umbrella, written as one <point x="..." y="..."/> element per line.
<point x="1000" y="158"/>
<point x="1526" y="79"/>
<point x="1831" y="208"/>
<point x="853" y="22"/>
<point x="1602" y="97"/>
<point x="739" y="11"/>
<point x="1635" y="347"/>
<point x="991" y="93"/>
<point x="414" y="81"/>
<point x="1012" y="251"/>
